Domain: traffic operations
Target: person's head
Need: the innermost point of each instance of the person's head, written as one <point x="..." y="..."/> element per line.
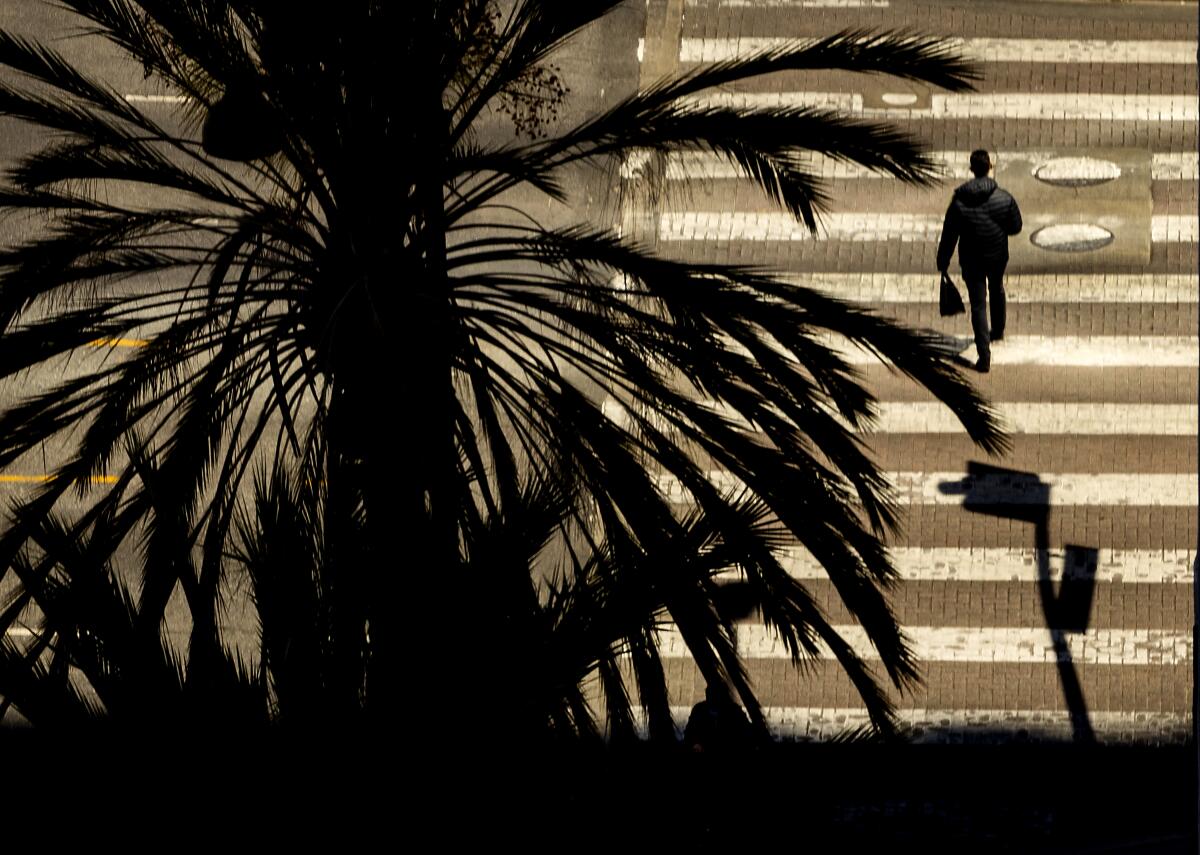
<point x="981" y="163"/>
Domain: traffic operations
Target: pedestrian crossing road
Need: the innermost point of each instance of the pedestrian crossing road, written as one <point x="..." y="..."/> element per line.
<point x="1097" y="377"/>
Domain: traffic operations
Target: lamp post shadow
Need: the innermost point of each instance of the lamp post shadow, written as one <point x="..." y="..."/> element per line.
<point x="1023" y="496"/>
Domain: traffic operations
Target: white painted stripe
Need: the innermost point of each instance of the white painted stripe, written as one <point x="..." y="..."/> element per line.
<point x="844" y="101"/>
<point x="1027" y="645"/>
<point x="1141" y="488"/>
<point x="1179" y="166"/>
<point x="1075" y="419"/>
<point x="156" y="99"/>
<point x="805" y="4"/>
<point x="1091" y="351"/>
<point x="778" y="226"/>
<point x="1019" y="288"/>
<point x="1166" y="166"/>
<point x="1020" y="105"/>
<point x="1093" y="51"/>
<point x="1001" y="105"/>
<point x="1053" y="489"/>
<point x="922" y="564"/>
<point x="1173" y="228"/>
<point x="933" y="726"/>
<point x="860" y="227"/>
<point x="1144" y="351"/>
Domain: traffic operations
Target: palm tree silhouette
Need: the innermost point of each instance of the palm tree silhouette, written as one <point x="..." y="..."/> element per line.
<point x="322" y="278"/>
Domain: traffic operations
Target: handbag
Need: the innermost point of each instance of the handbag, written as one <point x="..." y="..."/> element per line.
<point x="949" y="300"/>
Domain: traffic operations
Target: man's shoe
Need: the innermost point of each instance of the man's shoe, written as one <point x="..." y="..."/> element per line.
<point x="997" y="337"/>
<point x="983" y="366"/>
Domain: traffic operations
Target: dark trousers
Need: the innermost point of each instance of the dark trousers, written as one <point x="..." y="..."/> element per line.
<point x="982" y="282"/>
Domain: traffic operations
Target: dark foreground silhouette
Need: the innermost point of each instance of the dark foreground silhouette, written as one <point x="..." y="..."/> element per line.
<point x="335" y="789"/>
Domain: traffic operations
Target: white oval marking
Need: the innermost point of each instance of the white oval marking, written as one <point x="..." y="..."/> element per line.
<point x="899" y="98"/>
<point x="1077" y="171"/>
<point x="1071" y="237"/>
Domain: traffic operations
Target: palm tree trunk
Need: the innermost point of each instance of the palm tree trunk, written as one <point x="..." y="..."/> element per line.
<point x="410" y="484"/>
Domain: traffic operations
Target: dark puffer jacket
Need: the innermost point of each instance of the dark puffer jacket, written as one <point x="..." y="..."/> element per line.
<point x="980" y="218"/>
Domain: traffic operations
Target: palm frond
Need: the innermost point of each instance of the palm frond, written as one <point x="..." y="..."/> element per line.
<point x="602" y="433"/>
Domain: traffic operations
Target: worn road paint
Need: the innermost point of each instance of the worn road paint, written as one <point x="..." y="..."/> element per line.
<point x="979" y="564"/>
<point x="1027" y="645"/>
<point x="1092" y="51"/>
<point x="859" y="227"/>
<point x="1019" y="288"/>
<point x="1053" y="489"/>
<point x="992" y="105"/>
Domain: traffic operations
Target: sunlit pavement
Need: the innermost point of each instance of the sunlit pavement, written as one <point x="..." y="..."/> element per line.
<point x="1092" y="113"/>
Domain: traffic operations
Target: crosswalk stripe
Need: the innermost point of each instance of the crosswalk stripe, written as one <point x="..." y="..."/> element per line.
<point x="805" y="4"/>
<point x="1175" y="166"/>
<point x="1143" y="351"/>
<point x="1047" y="418"/>
<point x="1003" y="105"/>
<point x="689" y="166"/>
<point x="45" y="478"/>
<point x="1052" y="489"/>
<point x="1082" y="488"/>
<point x="1019" y="288"/>
<point x="1018" y="417"/>
<point x="866" y="226"/>
<point x="136" y="98"/>
<point x="1096" y="51"/>
<point x="945" y="564"/>
<point x="931" y="726"/>
<point x="1083" y="351"/>
<point x="1026" y="645"/>
<point x="1174" y="228"/>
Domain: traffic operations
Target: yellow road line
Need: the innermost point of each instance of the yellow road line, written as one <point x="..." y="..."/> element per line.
<point x="118" y="342"/>
<point x="42" y="479"/>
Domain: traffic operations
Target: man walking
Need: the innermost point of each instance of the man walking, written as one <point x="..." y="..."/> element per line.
<point x="979" y="220"/>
